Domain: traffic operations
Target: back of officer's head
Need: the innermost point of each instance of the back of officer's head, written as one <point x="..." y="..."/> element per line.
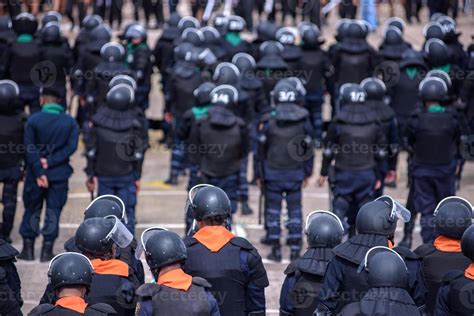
<point x="70" y="274"/>
<point x="453" y="216"/>
<point x="432" y="90"/>
<point x="323" y="230"/>
<point x="467" y="243"/>
<point x="375" y="218"/>
<point x="9" y="93"/>
<point x="105" y="205"/>
<point x="92" y="238"/>
<point x="386" y="268"/>
<point x="210" y="206"/>
<point x="163" y="249"/>
<point x="374" y="88"/>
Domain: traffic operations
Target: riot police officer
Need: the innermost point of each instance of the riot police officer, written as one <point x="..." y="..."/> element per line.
<point x="230" y="264"/>
<point x="10" y="283"/>
<point x="285" y="158"/>
<point x="223" y="139"/>
<point x="291" y="52"/>
<point x="356" y="172"/>
<point x="116" y="171"/>
<point x="376" y="223"/>
<point x="232" y="41"/>
<point x="112" y="281"/>
<point x="165" y="254"/>
<point x="377" y="101"/>
<point x="452" y="217"/>
<point x="387" y="277"/>
<point x="300" y="291"/>
<point x="455" y="293"/>
<point x="12" y="124"/>
<point x="393" y="45"/>
<point x="433" y="133"/>
<point x="71" y="276"/>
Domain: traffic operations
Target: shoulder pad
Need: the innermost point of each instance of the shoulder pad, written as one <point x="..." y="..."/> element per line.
<point x="452" y="275"/>
<point x="100" y="307"/>
<point x="148" y="289"/>
<point x="42" y="309"/>
<point x="406" y="253"/>
<point x="242" y="243"/>
<point x="291" y="268"/>
<point x="190" y="241"/>
<point x="425" y="250"/>
<point x="201" y="282"/>
<point x="7" y="252"/>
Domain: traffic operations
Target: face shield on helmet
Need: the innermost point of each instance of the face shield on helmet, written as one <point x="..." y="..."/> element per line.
<point x="453" y="199"/>
<point x="398" y="211"/>
<point x="147" y="233"/>
<point x="119" y="234"/>
<point x="318" y="213"/>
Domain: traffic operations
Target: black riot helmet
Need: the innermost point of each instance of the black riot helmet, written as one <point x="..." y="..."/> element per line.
<point x="286" y="36"/>
<point x="226" y="73"/>
<point x="433" y="89"/>
<point x="351" y="93"/>
<point x="174" y="19"/>
<point x="25" y="23"/>
<point x="101" y="33"/>
<point x="9" y="92"/>
<point x="188" y="22"/>
<point x="356" y="30"/>
<point x="449" y="26"/>
<point x="203" y="57"/>
<point x="120" y="97"/>
<point x="374" y="87"/>
<point x="51" y="16"/>
<point x="183" y="51"/>
<point x="411" y="57"/>
<point x="310" y="35"/>
<point x="211" y="35"/>
<point x="96" y="236"/>
<point x="437" y="52"/>
<point x="266" y="31"/>
<point x="91" y="21"/>
<point x="433" y="30"/>
<point x="380" y="217"/>
<point x="244" y="62"/>
<point x="467" y="243"/>
<point x="284" y="92"/>
<point x="112" y="52"/>
<point x="224" y="95"/>
<point x="397" y="22"/>
<point x="51" y="32"/>
<point x="271" y="48"/>
<point x="235" y="23"/>
<point x="436" y="73"/>
<point x="164" y="248"/>
<point x="106" y="205"/>
<point x="135" y="31"/>
<point x="341" y="29"/>
<point x="123" y="79"/>
<point x="299" y="86"/>
<point x="220" y="22"/>
<point x="208" y="201"/>
<point x="323" y="229"/>
<point x="192" y="35"/>
<point x="393" y="36"/>
<point x="385" y="268"/>
<point x="203" y="93"/>
<point x="70" y="269"/>
<point x="453" y="216"/>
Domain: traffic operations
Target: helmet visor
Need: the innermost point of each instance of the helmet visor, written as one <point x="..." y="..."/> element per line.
<point x="147" y="233"/>
<point x="398" y="210"/>
<point x="119" y="234"/>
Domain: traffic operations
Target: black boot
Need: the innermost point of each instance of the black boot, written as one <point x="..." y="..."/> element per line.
<point x="295" y="254"/>
<point x="173" y="180"/>
<point x="28" y="252"/>
<point x="246" y="210"/>
<point x="47" y="251"/>
<point x="275" y="255"/>
<point x="265" y="241"/>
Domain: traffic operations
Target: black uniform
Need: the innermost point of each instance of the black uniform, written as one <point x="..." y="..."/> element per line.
<point x="10" y="283"/>
<point x="98" y="309"/>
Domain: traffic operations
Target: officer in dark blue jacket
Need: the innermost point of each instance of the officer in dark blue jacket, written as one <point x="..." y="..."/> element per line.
<point x="433" y="134"/>
<point x="300" y="291"/>
<point x="230" y="264"/>
<point x="285" y="158"/>
<point x="51" y="137"/>
<point x="12" y="124"/>
<point x="165" y="254"/>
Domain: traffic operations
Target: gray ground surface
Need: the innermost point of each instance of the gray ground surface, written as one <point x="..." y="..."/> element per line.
<point x="159" y="204"/>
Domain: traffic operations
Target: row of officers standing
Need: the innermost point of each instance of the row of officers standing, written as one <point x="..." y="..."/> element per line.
<point x="213" y="272"/>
